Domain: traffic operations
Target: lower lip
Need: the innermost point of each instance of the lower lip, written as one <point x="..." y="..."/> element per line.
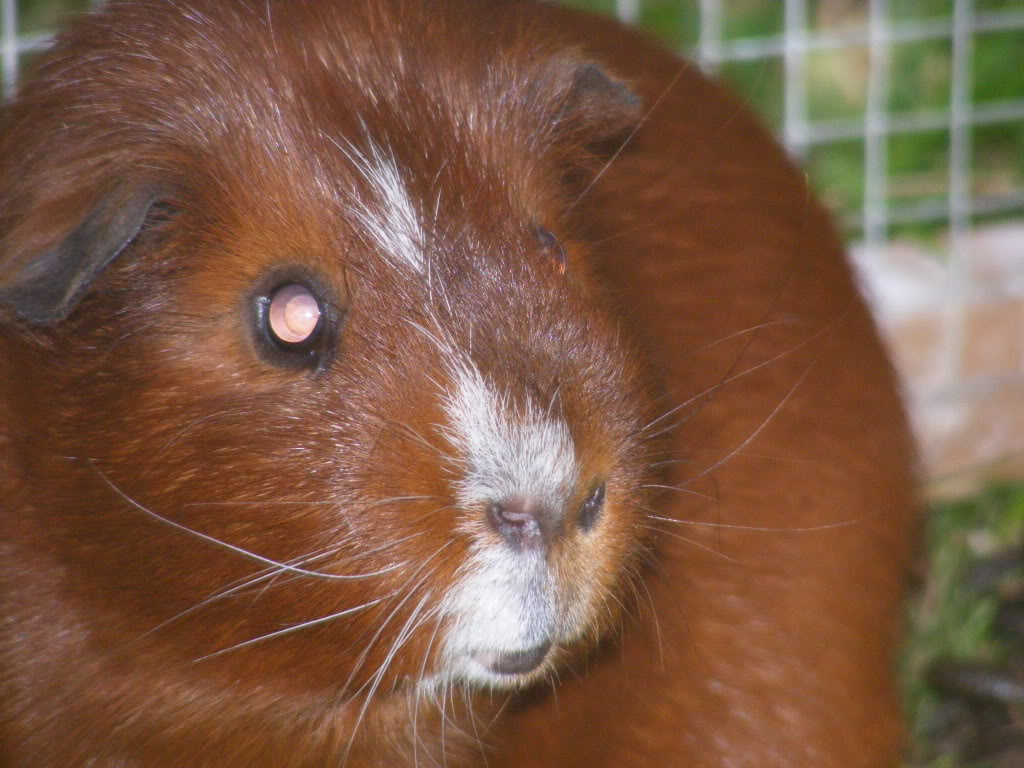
<point x="513" y="663"/>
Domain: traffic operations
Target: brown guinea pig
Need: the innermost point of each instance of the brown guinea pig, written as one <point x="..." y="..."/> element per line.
<point x="430" y="382"/>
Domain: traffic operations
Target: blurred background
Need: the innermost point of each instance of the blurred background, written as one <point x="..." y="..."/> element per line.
<point x="908" y="116"/>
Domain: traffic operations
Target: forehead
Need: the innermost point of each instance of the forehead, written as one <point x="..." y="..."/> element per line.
<point x="408" y="220"/>
<point x="336" y="90"/>
<point x="321" y="129"/>
<point x="417" y="162"/>
<point x="303" y="117"/>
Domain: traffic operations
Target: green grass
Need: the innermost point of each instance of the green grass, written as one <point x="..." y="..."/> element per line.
<point x="952" y="619"/>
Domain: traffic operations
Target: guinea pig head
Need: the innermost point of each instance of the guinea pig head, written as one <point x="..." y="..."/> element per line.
<point x="311" y="387"/>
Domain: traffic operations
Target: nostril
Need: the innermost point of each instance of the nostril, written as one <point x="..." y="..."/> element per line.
<point x="516" y="520"/>
<point x="592" y="508"/>
<point x="512" y="513"/>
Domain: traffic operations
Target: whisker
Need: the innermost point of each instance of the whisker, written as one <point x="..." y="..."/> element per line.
<point x="657" y="486"/>
<point x="234" y="587"/>
<point x="293" y="628"/>
<point x="444" y="720"/>
<point x="417" y="697"/>
<point x="668" y="462"/>
<point x="376" y="503"/>
<point x="622" y="605"/>
<point x="688" y="541"/>
<point x="203" y="419"/>
<point x="446" y="687"/>
<point x="232" y="547"/>
<point x="499" y="712"/>
<point x="736" y="334"/>
<point x="727" y="380"/>
<point x="380" y="630"/>
<point x="551" y="402"/>
<point x="644" y="227"/>
<point x="256" y="503"/>
<point x="410" y="626"/>
<point x="349" y="559"/>
<point x="476" y="731"/>
<point x="408" y="431"/>
<point x="771" y="529"/>
<point x="625" y="142"/>
<point x="786" y="459"/>
<point x="777" y="297"/>
<point x="637" y="579"/>
<point x="753" y="435"/>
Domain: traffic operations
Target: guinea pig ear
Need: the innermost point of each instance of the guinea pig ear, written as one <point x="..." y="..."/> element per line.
<point x="597" y="105"/>
<point x="45" y="287"/>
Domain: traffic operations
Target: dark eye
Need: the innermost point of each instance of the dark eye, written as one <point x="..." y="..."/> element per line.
<point x="592" y="508"/>
<point x="291" y="326"/>
<point x="553" y="248"/>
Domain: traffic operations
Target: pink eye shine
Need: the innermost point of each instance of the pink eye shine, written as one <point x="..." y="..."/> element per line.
<point x="294" y="314"/>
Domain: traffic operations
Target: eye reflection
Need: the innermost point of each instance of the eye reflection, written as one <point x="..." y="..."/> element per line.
<point x="293" y="314"/>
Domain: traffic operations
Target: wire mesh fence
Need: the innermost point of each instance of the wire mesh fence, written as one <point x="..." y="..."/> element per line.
<point x="909" y="118"/>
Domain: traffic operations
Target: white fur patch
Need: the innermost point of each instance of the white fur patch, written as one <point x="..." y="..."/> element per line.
<point x="391" y="220"/>
<point x="505" y="600"/>
<point x="508" y="451"/>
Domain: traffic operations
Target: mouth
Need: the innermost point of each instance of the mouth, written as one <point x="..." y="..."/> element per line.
<point x="513" y="663"/>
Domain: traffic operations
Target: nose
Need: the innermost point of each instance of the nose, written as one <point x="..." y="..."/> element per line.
<point x="524" y="523"/>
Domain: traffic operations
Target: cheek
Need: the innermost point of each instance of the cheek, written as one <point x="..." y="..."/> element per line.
<point x="597" y="569"/>
<point x="220" y="500"/>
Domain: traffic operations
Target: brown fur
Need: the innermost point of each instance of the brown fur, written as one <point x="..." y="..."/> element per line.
<point x="759" y="547"/>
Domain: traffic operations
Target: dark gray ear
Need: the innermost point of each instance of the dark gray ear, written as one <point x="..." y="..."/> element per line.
<point x="49" y="285"/>
<point x="595" y="104"/>
<point x="601" y="101"/>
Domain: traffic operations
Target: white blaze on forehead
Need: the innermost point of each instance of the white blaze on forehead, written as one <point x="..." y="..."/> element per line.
<point x="508" y="451"/>
<point x="390" y="219"/>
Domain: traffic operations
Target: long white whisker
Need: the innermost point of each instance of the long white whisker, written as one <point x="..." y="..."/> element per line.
<point x="657" y="486"/>
<point x="668" y="462"/>
<point x="756" y="432"/>
<point x="418" y="696"/>
<point x="293" y="628"/>
<point x="723" y="382"/>
<point x="770" y="529"/>
<point x="688" y="541"/>
<point x="400" y="640"/>
<point x="232" y="547"/>
<point x="237" y="586"/>
<point x="476" y="730"/>
<point x="293" y="503"/>
<point x="380" y="630"/>
<point x="654" y="614"/>
<point x="208" y="417"/>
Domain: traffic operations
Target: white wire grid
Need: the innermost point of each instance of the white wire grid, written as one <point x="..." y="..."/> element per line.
<point x="878" y="36"/>
<point x="793" y="46"/>
<point x="799" y="133"/>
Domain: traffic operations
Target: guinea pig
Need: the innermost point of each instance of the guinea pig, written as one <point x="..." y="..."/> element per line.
<point x="430" y="382"/>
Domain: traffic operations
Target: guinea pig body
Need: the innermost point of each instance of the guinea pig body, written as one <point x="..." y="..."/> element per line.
<point x="451" y="383"/>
